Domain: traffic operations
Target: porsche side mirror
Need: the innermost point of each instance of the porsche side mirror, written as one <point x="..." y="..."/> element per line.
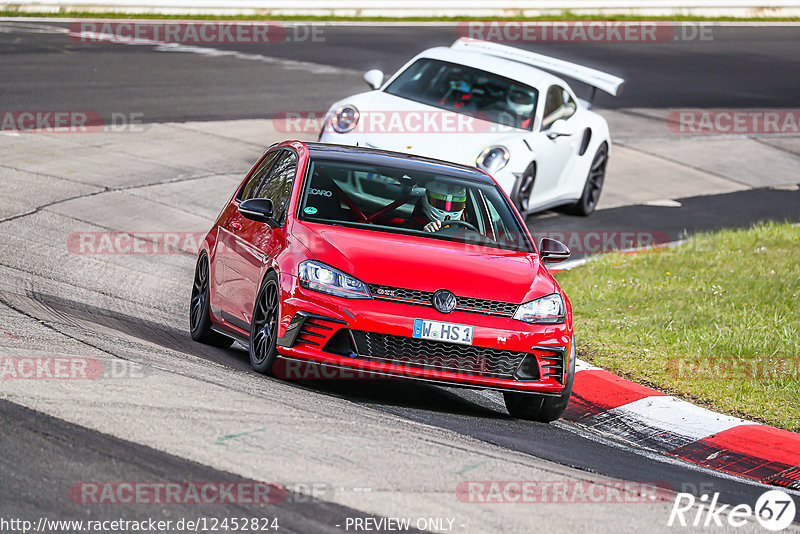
<point x="258" y="209"/>
<point x="553" y="251"/>
<point x="560" y="128"/>
<point x="374" y="78"/>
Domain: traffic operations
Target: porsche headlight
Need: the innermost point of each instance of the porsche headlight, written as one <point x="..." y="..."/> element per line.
<point x="544" y="310"/>
<point x="345" y="119"/>
<point x="492" y="159"/>
<point x="325" y="279"/>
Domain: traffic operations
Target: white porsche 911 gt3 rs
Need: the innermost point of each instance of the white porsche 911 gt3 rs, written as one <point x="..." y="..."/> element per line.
<point x="491" y="106"/>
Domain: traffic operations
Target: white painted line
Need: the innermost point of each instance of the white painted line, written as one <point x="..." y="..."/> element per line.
<point x="789" y="187"/>
<point x="25" y="27"/>
<point x="291" y="64"/>
<point x="161" y="46"/>
<point x="567" y="265"/>
<point x="678" y="416"/>
<point x="581" y="365"/>
<point x="663" y="203"/>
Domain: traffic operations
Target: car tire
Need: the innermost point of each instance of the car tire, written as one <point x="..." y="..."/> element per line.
<point x="593" y="185"/>
<point x="264" y="326"/>
<point x="199" y="315"/>
<point x="541" y="408"/>
<point x="523" y="188"/>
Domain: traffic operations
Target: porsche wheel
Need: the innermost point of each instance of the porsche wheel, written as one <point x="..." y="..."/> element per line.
<point x="264" y="327"/>
<point x="544" y="409"/>
<point x="199" y="318"/>
<point x="523" y="189"/>
<point x="594" y="184"/>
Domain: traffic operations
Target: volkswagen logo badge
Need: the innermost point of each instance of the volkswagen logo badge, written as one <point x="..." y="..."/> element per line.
<point x="444" y="301"/>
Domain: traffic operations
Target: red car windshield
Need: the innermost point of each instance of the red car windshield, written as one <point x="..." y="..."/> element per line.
<point x="393" y="199"/>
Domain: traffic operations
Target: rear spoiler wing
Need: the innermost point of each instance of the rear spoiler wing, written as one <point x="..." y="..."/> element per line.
<point x="597" y="79"/>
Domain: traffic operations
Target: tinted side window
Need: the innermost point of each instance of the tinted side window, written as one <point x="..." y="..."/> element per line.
<point x="551" y="104"/>
<point x="569" y="105"/>
<point x="257" y="178"/>
<point x="558" y="105"/>
<point x="278" y="185"/>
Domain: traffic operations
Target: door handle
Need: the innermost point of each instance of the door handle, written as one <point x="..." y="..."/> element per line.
<point x="555" y="135"/>
<point x="236" y="226"/>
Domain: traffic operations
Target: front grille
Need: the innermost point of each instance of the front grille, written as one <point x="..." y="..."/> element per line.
<point x="421" y="353"/>
<point x="425" y="298"/>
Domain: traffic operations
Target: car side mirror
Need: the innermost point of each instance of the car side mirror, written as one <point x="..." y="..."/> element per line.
<point x="560" y="128"/>
<point x="258" y="209"/>
<point x="374" y="78"/>
<point x="553" y="251"/>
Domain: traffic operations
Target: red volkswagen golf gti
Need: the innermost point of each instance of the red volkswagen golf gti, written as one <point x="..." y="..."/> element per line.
<point x="391" y="265"/>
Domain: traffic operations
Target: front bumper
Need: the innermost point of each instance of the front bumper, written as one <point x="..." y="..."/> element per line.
<point x="374" y="338"/>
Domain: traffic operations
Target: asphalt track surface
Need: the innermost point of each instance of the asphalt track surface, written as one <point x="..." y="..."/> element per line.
<point x="741" y="67"/>
<point x="66" y="453"/>
<point x="463" y="411"/>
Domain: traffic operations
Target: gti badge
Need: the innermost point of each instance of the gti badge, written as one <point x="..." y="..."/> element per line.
<point x="444" y="301"/>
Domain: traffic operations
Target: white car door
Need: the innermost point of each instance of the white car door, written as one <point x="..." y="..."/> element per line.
<point x="554" y="144"/>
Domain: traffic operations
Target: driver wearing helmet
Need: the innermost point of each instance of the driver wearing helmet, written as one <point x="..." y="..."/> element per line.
<point x="442" y="202"/>
<point x="521" y="103"/>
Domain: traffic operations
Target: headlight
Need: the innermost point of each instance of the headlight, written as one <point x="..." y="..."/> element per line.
<point x="320" y="277"/>
<point x="492" y="159"/>
<point x="345" y="119"/>
<point x="545" y="310"/>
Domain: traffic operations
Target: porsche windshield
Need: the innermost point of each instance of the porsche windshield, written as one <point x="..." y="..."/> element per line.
<point x="393" y="199"/>
<point x="467" y="90"/>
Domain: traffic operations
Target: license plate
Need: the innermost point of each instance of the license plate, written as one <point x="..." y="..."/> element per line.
<point x="438" y="331"/>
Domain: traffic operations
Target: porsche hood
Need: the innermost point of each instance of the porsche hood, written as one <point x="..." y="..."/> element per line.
<point x="394" y="123"/>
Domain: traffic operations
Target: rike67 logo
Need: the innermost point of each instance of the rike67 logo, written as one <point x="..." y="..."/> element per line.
<point x="774" y="510"/>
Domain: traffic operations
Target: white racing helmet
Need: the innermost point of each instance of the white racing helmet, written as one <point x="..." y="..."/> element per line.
<point x="520" y="101"/>
<point x="443" y="201"/>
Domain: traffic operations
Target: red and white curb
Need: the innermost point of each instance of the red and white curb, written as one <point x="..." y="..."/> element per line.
<point x="616" y="407"/>
<point x="647" y="418"/>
